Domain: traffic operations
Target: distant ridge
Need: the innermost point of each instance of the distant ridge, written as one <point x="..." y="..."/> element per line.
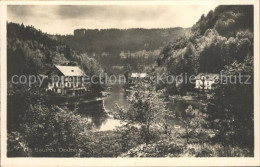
<point x="116" y="40"/>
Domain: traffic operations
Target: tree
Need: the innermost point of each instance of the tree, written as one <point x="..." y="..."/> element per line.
<point x="16" y="145"/>
<point x="147" y="109"/>
<point x="231" y="109"/>
<point x="192" y="121"/>
<point x="53" y="128"/>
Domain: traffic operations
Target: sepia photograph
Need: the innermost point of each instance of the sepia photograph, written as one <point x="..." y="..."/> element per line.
<point x="130" y="81"/>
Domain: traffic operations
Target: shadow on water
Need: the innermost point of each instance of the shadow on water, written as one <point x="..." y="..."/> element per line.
<point x="97" y="111"/>
<point x="118" y="96"/>
<point x="93" y="110"/>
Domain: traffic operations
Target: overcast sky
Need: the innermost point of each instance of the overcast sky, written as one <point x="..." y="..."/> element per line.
<point x="64" y="19"/>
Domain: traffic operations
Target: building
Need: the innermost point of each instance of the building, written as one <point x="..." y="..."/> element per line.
<point x="79" y="32"/>
<point x="123" y="55"/>
<point x="138" y="75"/>
<point x="104" y="54"/>
<point x="206" y="81"/>
<point x="67" y="80"/>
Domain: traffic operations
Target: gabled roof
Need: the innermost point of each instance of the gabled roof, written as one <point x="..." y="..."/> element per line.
<point x="138" y="75"/>
<point x="208" y="77"/>
<point x="70" y="70"/>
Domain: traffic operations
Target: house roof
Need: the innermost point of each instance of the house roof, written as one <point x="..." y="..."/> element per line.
<point x="70" y="70"/>
<point x="208" y="77"/>
<point x="138" y="75"/>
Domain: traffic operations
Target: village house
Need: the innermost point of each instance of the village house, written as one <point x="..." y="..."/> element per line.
<point x="104" y="54"/>
<point x="67" y="80"/>
<point x="206" y="81"/>
<point x="123" y="55"/>
<point x="135" y="77"/>
<point x="138" y="75"/>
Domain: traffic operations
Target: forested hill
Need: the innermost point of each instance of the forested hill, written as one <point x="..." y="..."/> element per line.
<point x="114" y="41"/>
<point x="221" y="38"/>
<point x="220" y="42"/>
<point x="30" y="51"/>
<point x="226" y="20"/>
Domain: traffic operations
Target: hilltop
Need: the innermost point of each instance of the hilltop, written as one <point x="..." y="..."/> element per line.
<point x="117" y="40"/>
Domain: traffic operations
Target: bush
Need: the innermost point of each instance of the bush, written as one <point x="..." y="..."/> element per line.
<point x="49" y="130"/>
<point x="216" y="150"/>
<point x="16" y="146"/>
<point x="162" y="148"/>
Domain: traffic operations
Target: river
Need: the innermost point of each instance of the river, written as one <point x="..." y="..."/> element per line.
<point x="100" y="115"/>
<point x="103" y="120"/>
<point x="118" y="96"/>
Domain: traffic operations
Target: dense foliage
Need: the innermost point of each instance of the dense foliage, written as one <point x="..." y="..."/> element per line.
<point x="117" y="40"/>
<point x="231" y="110"/>
<point x="221" y="42"/>
<point x="30" y="119"/>
<point x="210" y="50"/>
<point x="147" y="110"/>
<point x="112" y="42"/>
<point x="30" y="51"/>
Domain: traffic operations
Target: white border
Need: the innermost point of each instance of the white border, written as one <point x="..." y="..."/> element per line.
<point x="28" y="162"/>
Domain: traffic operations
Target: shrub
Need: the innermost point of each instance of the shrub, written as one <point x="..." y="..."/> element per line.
<point x="16" y="146"/>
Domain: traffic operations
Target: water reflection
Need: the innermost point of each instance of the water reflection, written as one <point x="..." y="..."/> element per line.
<point x="118" y="96"/>
<point x="97" y="111"/>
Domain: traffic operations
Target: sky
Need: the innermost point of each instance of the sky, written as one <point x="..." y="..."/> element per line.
<point x="63" y="19"/>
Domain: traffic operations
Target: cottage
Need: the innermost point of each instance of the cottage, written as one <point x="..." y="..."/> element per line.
<point x="206" y="81"/>
<point x="104" y="54"/>
<point x="138" y="75"/>
<point x="124" y="55"/>
<point x="67" y="80"/>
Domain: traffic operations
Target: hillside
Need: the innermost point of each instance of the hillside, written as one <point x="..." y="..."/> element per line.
<point x="223" y="37"/>
<point x="226" y="20"/>
<point x="117" y="40"/>
<point x="30" y="51"/>
<point x="222" y="42"/>
<point x="113" y="42"/>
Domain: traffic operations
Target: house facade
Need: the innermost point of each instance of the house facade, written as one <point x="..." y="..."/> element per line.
<point x="67" y="80"/>
<point x="206" y="81"/>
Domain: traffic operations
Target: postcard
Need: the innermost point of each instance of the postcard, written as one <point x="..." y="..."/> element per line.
<point x="130" y="83"/>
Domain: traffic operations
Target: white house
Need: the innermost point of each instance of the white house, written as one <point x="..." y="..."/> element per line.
<point x="206" y="80"/>
<point x="139" y="75"/>
<point x="67" y="80"/>
<point x="124" y="55"/>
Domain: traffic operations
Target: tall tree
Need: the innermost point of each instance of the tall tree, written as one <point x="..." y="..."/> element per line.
<point x="147" y="109"/>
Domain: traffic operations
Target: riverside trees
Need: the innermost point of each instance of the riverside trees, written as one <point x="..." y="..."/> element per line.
<point x="147" y="110"/>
